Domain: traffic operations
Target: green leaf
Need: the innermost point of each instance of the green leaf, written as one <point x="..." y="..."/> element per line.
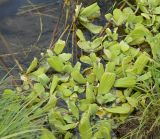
<point x="72" y="106"/>
<point x="125" y="82"/>
<point x="65" y="92"/>
<point x="80" y="35"/>
<point x="124" y="46"/>
<point x="138" y="35"/>
<point x="56" y="63"/>
<point x="90" y="94"/>
<point x="106" y="83"/>
<point x="54" y="84"/>
<point x="46" y="134"/>
<point x="145" y="76"/>
<point x="98" y="70"/>
<point x="65" y="56"/>
<point x="95" y="29"/>
<point x="156" y="10"/>
<point x="85" y="128"/>
<point x="93" y="108"/>
<point x="124" y="109"/>
<point x="103" y="99"/>
<point x="86" y="59"/>
<point x="51" y="103"/>
<point x="68" y="135"/>
<point x="85" y="45"/>
<point x="43" y="79"/>
<point x="67" y="126"/>
<point x="96" y="43"/>
<point x="59" y="46"/>
<point x="32" y="66"/>
<point x="154" y="44"/>
<point x="119" y="17"/>
<point x="104" y="130"/>
<point x="110" y="67"/>
<point x="108" y="16"/>
<point x="140" y="63"/>
<point x="77" y="76"/>
<point x="132" y="101"/>
<point x="38" y="88"/>
<point x="91" y="11"/>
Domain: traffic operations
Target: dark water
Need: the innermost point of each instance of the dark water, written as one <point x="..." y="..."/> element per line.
<point x="22" y="31"/>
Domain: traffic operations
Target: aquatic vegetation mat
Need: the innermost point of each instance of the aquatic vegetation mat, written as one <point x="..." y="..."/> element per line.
<point x="117" y="75"/>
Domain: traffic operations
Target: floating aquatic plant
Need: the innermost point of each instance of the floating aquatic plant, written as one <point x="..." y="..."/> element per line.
<point x="110" y="80"/>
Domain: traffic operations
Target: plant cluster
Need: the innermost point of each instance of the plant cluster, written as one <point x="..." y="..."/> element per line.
<point x="116" y="76"/>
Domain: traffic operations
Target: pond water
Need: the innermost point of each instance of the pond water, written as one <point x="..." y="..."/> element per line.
<point x="21" y="23"/>
<point x="21" y="30"/>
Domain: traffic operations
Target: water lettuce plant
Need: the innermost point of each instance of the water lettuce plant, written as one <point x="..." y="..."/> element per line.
<point x="111" y="80"/>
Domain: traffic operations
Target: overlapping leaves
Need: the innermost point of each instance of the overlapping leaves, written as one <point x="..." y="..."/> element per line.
<point x="85" y="103"/>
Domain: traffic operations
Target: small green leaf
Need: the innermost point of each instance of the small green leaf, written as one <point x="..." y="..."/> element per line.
<point x="51" y="103"/>
<point x="65" y="56"/>
<point x="38" y="88"/>
<point x="68" y="135"/>
<point x="59" y="46"/>
<point x="156" y="10"/>
<point x="124" y="46"/>
<point x="91" y="11"/>
<point x="80" y="35"/>
<point x="54" y="84"/>
<point x="119" y="17"/>
<point x="86" y="59"/>
<point x="95" y="29"/>
<point x="32" y="66"/>
<point x="85" y="128"/>
<point x="126" y="82"/>
<point x="72" y="106"/>
<point x="65" y="92"/>
<point x="106" y="83"/>
<point x="124" y="109"/>
<point x="140" y="63"/>
<point x="138" y="35"/>
<point x="77" y="76"/>
<point x="46" y="134"/>
<point x="98" y="70"/>
<point x="132" y="101"/>
<point x="104" y="130"/>
<point x="145" y="76"/>
<point x="90" y="94"/>
<point x="103" y="99"/>
<point x="56" y="63"/>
